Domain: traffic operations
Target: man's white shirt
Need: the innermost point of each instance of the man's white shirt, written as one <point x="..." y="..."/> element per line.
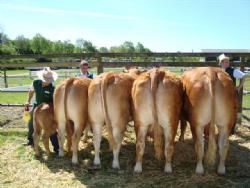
<point x="238" y="73"/>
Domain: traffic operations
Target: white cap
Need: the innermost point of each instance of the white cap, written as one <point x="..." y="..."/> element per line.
<point x="46" y="75"/>
<point x="222" y="57"/>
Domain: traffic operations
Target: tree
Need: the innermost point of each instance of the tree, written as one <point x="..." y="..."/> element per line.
<point x="40" y="44"/>
<point x="57" y="47"/>
<point x="88" y="47"/>
<point x="140" y="48"/>
<point x="68" y="47"/>
<point x="79" y="45"/>
<point x="6" y="46"/>
<point x="128" y="47"/>
<point x="114" y="49"/>
<point x="103" y="50"/>
<point x="22" y="45"/>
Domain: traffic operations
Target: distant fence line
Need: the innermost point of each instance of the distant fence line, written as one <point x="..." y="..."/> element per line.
<point x="99" y="59"/>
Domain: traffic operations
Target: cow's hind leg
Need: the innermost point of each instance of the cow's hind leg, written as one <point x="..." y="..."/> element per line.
<point x="223" y="144"/>
<point x="75" y="142"/>
<point x="199" y="148"/>
<point x="140" y="146"/>
<point x="46" y="142"/>
<point x="61" y="137"/>
<point x="36" y="138"/>
<point x="169" y="134"/>
<point x="117" y="135"/>
<point x="97" y="136"/>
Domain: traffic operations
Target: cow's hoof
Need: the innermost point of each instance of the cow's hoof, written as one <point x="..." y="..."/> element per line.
<point x="115" y="165"/>
<point x="138" y="168"/>
<point x="199" y="170"/>
<point x="221" y="170"/>
<point x="97" y="161"/>
<point x="74" y="161"/>
<point x="61" y="153"/>
<point x="168" y="169"/>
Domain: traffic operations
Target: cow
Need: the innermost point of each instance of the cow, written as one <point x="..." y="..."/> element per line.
<point x="209" y="99"/>
<point x="43" y="123"/>
<point x="157" y="103"/>
<point x="110" y="104"/>
<point x="71" y="112"/>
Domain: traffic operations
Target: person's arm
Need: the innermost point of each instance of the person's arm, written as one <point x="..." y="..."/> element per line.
<point x="242" y="81"/>
<point x="30" y="95"/>
<point x="240" y="75"/>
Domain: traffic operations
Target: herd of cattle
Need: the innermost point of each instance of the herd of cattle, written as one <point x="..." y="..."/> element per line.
<point x="155" y="100"/>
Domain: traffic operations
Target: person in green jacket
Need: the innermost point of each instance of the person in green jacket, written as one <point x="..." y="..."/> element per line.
<point x="43" y="89"/>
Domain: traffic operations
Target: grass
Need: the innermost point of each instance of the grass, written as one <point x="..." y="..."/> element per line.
<point x="20" y="168"/>
<point x="13" y="97"/>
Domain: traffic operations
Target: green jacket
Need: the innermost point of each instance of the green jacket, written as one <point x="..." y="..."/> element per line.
<point x="43" y="94"/>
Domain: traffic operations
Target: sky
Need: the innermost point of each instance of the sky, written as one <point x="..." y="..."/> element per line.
<point x="160" y="25"/>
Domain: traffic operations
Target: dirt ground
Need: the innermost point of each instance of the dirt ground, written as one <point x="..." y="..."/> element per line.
<point x="20" y="168"/>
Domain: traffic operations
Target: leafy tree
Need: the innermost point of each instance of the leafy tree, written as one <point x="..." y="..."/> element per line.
<point x="68" y="47"/>
<point x="103" y="50"/>
<point x="40" y="44"/>
<point x="57" y="47"/>
<point x="115" y="49"/>
<point x="140" y="48"/>
<point x="22" y="45"/>
<point x="88" y="47"/>
<point x="6" y="46"/>
<point x="79" y="45"/>
<point x="128" y="47"/>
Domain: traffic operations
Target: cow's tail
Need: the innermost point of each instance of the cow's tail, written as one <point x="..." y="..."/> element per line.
<point x="211" y="151"/>
<point x="109" y="78"/>
<point x="155" y="77"/>
<point x="68" y="86"/>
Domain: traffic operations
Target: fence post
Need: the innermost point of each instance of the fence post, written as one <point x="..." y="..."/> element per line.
<point x="100" y="65"/>
<point x="5" y="78"/>
<point x="240" y="96"/>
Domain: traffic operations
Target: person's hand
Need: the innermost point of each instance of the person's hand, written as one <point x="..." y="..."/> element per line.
<point x="26" y="106"/>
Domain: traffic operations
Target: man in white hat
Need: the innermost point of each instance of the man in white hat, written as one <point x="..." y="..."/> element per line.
<point x="234" y="73"/>
<point x="43" y="89"/>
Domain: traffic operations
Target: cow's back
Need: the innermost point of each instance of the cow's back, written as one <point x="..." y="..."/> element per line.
<point x="76" y="102"/>
<point x="201" y="85"/>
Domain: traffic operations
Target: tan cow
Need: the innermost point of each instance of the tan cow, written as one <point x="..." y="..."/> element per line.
<point x="71" y="112"/>
<point x="43" y="123"/>
<point x="210" y="98"/>
<point x="157" y="98"/>
<point x="110" y="104"/>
